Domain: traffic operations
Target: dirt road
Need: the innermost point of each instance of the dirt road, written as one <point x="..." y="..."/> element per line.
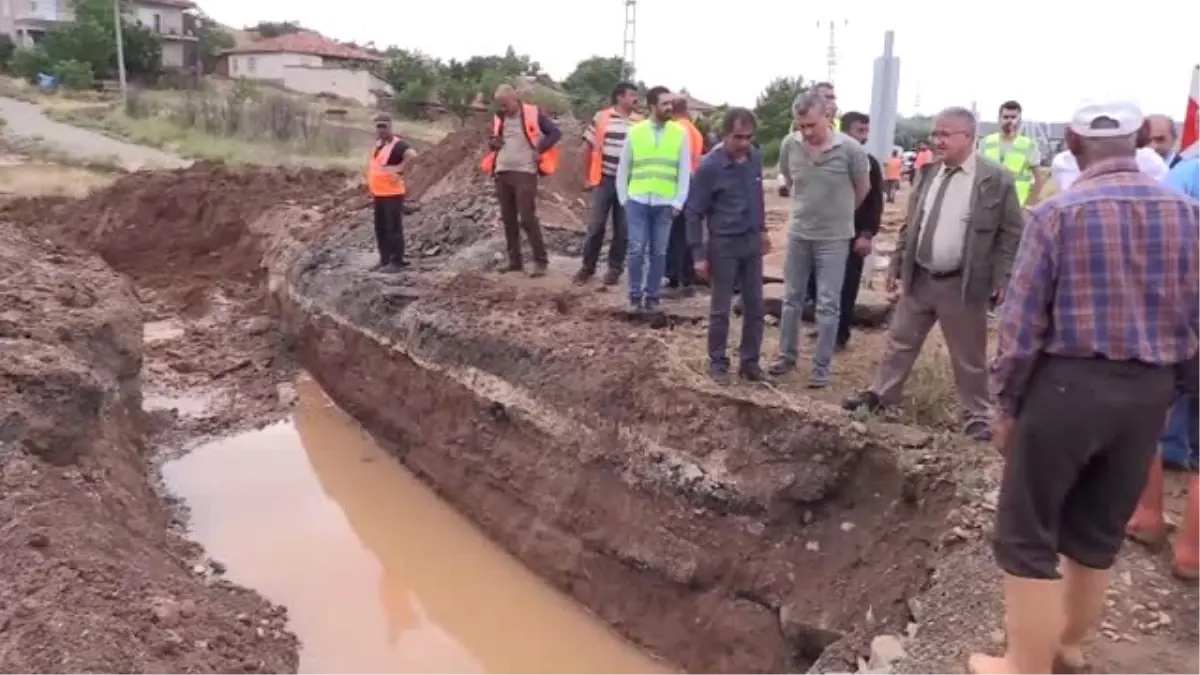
<point x="28" y="121"/>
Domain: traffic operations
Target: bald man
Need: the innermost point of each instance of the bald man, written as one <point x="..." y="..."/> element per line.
<point x="1163" y="138"/>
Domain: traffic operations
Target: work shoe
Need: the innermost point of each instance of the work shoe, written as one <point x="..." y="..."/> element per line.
<point x="1034" y="622"/>
<point x="819" y="377"/>
<point x="539" y="270"/>
<point x="978" y="430"/>
<point x="1187" y="547"/>
<point x="653" y="307"/>
<point x="719" y="375"/>
<point x="1148" y="526"/>
<point x="611" y="277"/>
<point x="394" y="267"/>
<point x="636" y="307"/>
<point x="754" y="373"/>
<point x="864" y="399"/>
<point x="581" y="277"/>
<point x="513" y="267"/>
<point x="781" y="367"/>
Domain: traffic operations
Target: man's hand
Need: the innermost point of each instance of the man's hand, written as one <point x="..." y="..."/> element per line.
<point x="495" y="143"/>
<point x="702" y="270"/>
<point x="1002" y="433"/>
<point x="766" y="244"/>
<point x="862" y="246"/>
<point x="675" y="211"/>
<point x="998" y="296"/>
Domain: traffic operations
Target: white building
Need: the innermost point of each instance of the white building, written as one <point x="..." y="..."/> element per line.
<point x="309" y="63"/>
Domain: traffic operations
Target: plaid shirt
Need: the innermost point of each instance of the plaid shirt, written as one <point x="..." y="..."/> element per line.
<point x="1109" y="268"/>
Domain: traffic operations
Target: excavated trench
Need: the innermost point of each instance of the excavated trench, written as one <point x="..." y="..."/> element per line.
<point x="722" y="531"/>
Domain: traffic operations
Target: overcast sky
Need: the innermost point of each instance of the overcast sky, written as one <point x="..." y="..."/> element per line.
<point x="1051" y="55"/>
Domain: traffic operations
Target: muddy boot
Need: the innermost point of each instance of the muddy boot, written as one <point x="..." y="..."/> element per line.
<point x="1148" y="526"/>
<point x="1033" y="622"/>
<point x="866" y="399"/>
<point x="581" y="277"/>
<point x="1083" y="589"/>
<point x="718" y="375"/>
<point x="539" y="270"/>
<point x="611" y="277"/>
<point x="781" y="367"/>
<point x="1187" y="547"/>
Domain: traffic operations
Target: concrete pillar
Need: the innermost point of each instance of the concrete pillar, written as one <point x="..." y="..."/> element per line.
<point x="884" y="100"/>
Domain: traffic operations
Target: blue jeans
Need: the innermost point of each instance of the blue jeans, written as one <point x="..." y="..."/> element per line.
<point x="826" y="260"/>
<point x="649" y="231"/>
<point x="1179" y="439"/>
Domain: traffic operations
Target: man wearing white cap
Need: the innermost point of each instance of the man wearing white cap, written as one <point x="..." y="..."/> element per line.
<point x="1064" y="168"/>
<point x="1094" y="338"/>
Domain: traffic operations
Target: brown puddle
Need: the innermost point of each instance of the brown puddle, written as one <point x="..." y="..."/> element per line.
<point x="377" y="573"/>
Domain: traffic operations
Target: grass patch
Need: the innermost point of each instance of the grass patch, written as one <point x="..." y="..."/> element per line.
<point x="44" y="179"/>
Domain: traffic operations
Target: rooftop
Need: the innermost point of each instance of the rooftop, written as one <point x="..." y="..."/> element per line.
<point x="304" y="42"/>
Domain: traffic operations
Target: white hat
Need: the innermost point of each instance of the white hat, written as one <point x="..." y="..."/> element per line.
<point x="1107" y="120"/>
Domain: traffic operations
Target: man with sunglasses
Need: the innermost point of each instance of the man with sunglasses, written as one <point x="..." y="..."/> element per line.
<point x="385" y="181"/>
<point x="726" y="198"/>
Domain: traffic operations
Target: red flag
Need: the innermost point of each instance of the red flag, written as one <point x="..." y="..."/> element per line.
<point x="1189" y="141"/>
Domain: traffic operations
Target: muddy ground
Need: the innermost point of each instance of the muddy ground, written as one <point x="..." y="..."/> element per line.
<point x="743" y="529"/>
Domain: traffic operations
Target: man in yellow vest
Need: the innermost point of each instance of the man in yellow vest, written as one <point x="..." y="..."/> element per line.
<point x="1015" y="152"/>
<point x="385" y="181"/>
<point x="653" y="177"/>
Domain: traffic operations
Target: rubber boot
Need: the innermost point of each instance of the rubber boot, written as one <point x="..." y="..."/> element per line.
<point x="1187" y="547"/>
<point x="1033" y="622"/>
<point x="1084" y="591"/>
<point x="1148" y="526"/>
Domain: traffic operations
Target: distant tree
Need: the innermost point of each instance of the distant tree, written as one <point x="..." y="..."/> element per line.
<point x="271" y="29"/>
<point x="774" y="107"/>
<point x="403" y="68"/>
<point x="7" y="48"/>
<point x="592" y="81"/>
<point x="458" y="96"/>
<point x="211" y="39"/>
<point x="90" y="39"/>
<point x="909" y="130"/>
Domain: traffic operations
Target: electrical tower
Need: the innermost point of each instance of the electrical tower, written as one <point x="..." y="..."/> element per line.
<point x="831" y="51"/>
<point x="629" y="51"/>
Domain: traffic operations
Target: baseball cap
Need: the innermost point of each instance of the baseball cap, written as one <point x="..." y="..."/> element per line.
<point x="1107" y="120"/>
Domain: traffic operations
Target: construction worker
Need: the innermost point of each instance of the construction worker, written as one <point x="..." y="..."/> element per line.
<point x="923" y="157"/>
<point x="385" y="181"/>
<point x="653" y="177"/>
<point x="522" y="147"/>
<point x="1015" y="152"/>
<point x="892" y="173"/>
<point x="681" y="274"/>
<point x="605" y="138"/>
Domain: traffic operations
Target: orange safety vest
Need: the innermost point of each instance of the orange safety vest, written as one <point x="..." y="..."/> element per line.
<point x="379" y="182"/>
<point x="894" y="165"/>
<point x="695" y="140"/>
<point x="547" y="161"/>
<point x="923" y="157"/>
<point x="596" y="166"/>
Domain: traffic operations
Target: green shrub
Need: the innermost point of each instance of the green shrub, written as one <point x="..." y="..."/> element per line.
<point x="7" y="48"/>
<point x="27" y="62"/>
<point x="73" y="74"/>
<point x="770" y="152"/>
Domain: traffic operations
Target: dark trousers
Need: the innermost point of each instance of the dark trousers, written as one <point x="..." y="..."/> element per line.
<point x="517" y="193"/>
<point x="736" y="261"/>
<point x="1084" y="438"/>
<point x="680" y="266"/>
<point x="389" y="229"/>
<point x="605" y="203"/>
<point x="889" y="190"/>
<point x="850" y="285"/>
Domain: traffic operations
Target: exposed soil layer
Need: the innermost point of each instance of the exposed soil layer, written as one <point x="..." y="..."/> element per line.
<point x="683" y="515"/>
<point x="90" y="577"/>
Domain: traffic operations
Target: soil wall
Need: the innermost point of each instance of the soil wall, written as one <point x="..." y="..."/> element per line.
<point x="722" y="532"/>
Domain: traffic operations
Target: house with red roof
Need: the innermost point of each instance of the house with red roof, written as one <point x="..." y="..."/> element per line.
<point x="310" y="63"/>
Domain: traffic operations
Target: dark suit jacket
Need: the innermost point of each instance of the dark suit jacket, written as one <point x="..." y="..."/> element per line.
<point x="993" y="231"/>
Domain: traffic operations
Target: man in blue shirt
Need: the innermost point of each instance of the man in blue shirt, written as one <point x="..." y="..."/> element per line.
<point x="1185" y="177"/>
<point x="726" y="195"/>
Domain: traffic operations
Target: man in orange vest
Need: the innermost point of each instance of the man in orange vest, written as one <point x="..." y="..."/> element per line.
<point x="681" y="271"/>
<point x="522" y="147"/>
<point x="605" y="139"/>
<point x="924" y="156"/>
<point x="891" y="176"/>
<point x="385" y="181"/>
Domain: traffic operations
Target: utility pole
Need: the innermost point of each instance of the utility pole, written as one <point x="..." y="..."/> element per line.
<point x="884" y="100"/>
<point x="629" y="50"/>
<point x="117" y="24"/>
<point x="831" y="50"/>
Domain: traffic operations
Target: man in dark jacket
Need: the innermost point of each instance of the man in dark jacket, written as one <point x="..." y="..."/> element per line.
<point x="866" y="225"/>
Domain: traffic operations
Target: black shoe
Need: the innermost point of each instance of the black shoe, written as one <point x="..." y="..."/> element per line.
<point x="781" y="367"/>
<point x="863" y="399"/>
<point x="754" y="374"/>
<point x="582" y="277"/>
<point x="517" y="267"/>
<point x="611" y="277"/>
<point x="394" y="267"/>
<point x="539" y="270"/>
<point x="978" y="430"/>
<point x="378" y="266"/>
<point x="719" y="376"/>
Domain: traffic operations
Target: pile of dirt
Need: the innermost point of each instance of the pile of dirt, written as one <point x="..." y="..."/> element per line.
<point x="91" y="579"/>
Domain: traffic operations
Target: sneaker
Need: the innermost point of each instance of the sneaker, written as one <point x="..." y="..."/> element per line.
<point x="754" y="374"/>
<point x="864" y="399"/>
<point x="611" y="277"/>
<point x="394" y="267"/>
<point x="636" y="307"/>
<point x="539" y="270"/>
<point x="653" y="307"/>
<point x="581" y="277"/>
<point x="781" y="367"/>
<point x="719" y="376"/>
<point x="818" y="378"/>
<point x="978" y="430"/>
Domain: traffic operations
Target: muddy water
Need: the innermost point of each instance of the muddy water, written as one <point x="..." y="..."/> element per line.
<point x="377" y="573"/>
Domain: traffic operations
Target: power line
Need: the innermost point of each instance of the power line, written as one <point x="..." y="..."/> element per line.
<point x="831" y="53"/>
<point x="629" y="50"/>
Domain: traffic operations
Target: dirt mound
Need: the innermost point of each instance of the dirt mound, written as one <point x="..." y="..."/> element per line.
<point x="90" y="578"/>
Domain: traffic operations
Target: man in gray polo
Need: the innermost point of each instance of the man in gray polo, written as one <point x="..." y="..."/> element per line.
<point x="828" y="176"/>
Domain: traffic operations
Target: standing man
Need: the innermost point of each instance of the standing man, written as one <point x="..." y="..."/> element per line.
<point x="1185" y="177"/>
<point x="385" y="182"/>
<point x="522" y="148"/>
<point x="605" y="139"/>
<point x="828" y="176"/>
<point x="891" y="176"/>
<point x="923" y="158"/>
<point x="829" y="96"/>
<point x="680" y="268"/>
<point x="1091" y="341"/>
<point x="653" y="176"/>
<point x="1163" y="139"/>
<point x="953" y="255"/>
<point x="1015" y="152"/>
<point x="727" y="197"/>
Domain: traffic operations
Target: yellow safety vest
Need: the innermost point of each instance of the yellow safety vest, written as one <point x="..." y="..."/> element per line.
<point x="836" y="124"/>
<point x="654" y="165"/>
<point x="1016" y="161"/>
